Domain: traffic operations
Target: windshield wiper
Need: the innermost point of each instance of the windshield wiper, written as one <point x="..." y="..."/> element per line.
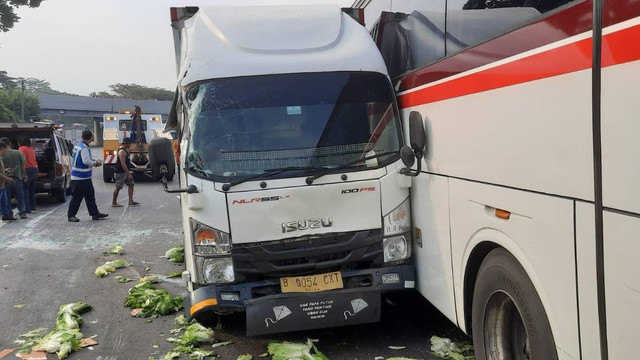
<point x="267" y="174"/>
<point x="193" y="168"/>
<point x="325" y="171"/>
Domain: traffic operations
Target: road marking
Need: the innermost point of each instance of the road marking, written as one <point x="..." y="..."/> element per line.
<point x="32" y="223"/>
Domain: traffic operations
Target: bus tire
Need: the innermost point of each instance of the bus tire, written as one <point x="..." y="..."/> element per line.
<point x="508" y="319"/>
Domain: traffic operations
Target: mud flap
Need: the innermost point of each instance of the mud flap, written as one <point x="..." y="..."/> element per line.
<point x="293" y="312"/>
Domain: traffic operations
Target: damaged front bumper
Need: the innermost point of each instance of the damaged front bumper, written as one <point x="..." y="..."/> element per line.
<point x="269" y="311"/>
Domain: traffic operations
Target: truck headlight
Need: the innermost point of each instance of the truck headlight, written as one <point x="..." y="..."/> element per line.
<point x="211" y="250"/>
<point x="218" y="270"/>
<point x="397" y="233"/>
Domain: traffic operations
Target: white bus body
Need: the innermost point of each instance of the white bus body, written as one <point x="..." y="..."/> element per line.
<point x="507" y="96"/>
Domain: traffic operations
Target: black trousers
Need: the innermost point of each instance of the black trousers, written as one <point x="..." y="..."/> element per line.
<point x="82" y="189"/>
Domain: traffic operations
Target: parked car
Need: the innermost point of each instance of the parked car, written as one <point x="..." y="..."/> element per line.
<point x="53" y="153"/>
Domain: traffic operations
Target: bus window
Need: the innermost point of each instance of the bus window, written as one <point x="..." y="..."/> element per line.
<point x="411" y="36"/>
<point x="470" y="22"/>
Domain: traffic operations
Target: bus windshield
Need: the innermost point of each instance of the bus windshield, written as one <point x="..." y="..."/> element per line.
<point x="250" y="125"/>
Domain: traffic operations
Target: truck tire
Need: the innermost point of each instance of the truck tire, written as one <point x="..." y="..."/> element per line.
<point x="107" y="173"/>
<point x="508" y="319"/>
<point x="161" y="152"/>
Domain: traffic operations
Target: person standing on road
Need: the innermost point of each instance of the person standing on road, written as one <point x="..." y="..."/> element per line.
<point x="5" y="205"/>
<point x="31" y="167"/>
<point x="14" y="165"/>
<point x="81" y="185"/>
<point x="123" y="175"/>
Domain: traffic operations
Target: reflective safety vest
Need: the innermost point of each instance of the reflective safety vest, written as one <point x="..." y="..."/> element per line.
<point x="80" y="170"/>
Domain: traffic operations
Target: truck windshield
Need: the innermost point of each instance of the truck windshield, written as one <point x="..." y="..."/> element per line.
<point x="252" y="125"/>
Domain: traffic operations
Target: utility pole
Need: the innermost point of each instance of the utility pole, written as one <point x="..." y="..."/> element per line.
<point x="22" y="102"/>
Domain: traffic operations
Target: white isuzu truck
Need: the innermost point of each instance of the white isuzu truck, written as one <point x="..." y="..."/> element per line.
<point x="294" y="185"/>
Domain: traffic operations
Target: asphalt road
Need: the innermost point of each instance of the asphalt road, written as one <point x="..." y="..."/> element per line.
<point x="46" y="261"/>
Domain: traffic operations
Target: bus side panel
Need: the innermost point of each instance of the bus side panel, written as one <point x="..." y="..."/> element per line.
<point x="587" y="284"/>
<point x="622" y="283"/>
<point x="621" y="175"/>
<point x="534" y="135"/>
<point x="620" y="117"/>
<point x="433" y="256"/>
<point x="539" y="234"/>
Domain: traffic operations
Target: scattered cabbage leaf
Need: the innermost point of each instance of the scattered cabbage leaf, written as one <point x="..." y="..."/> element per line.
<point x="451" y="350"/>
<point x="294" y="351"/>
<point x="175" y="254"/>
<point x="109" y="267"/>
<point x="153" y="302"/>
<point x="115" y="250"/>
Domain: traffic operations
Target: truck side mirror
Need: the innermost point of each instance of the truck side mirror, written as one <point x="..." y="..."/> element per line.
<point x="417" y="135"/>
<point x="418" y="140"/>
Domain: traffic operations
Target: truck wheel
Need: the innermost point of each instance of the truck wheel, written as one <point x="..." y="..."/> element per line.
<point x="508" y="319"/>
<point x="161" y="152"/>
<point x="107" y="173"/>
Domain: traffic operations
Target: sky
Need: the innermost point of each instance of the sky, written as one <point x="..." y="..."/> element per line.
<point x="81" y="46"/>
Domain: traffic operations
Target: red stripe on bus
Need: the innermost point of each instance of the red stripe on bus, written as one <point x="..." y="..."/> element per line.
<point x="619" y="47"/>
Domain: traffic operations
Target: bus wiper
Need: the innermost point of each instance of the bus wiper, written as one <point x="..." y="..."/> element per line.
<point x="267" y="174"/>
<point x="325" y="171"/>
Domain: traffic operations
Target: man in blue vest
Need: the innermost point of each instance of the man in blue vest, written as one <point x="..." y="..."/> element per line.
<point x="81" y="185"/>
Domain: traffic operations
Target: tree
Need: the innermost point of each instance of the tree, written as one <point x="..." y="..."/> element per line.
<point x="10" y="104"/>
<point x="8" y="16"/>
<point x="135" y="92"/>
<point x="6" y="82"/>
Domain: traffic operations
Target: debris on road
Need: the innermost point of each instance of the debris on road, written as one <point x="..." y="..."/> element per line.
<point x="245" y="357"/>
<point x="34" y="355"/>
<point x="65" y="338"/>
<point x="174" y="274"/>
<point x="391" y="347"/>
<point x="5" y="352"/>
<point x="115" y="250"/>
<point x="69" y="315"/>
<point x="153" y="302"/>
<point x="19" y="306"/>
<point x="175" y="254"/>
<point x="451" y="350"/>
<point x="294" y="351"/>
<point x="109" y="267"/>
<point x="122" y="279"/>
<point x="193" y="335"/>
<point x="223" y="343"/>
<point x="86" y="342"/>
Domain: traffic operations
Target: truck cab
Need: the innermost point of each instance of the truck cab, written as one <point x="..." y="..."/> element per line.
<point x="295" y="197"/>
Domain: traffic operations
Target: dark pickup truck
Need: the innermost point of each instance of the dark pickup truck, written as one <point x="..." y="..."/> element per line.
<point x="53" y="153"/>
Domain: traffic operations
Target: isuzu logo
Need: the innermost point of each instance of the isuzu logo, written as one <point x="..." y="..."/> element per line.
<point x="306" y="224"/>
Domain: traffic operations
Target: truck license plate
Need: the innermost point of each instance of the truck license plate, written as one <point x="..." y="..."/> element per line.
<point x="312" y="283"/>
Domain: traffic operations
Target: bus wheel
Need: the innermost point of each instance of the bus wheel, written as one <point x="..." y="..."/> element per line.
<point x="508" y="319"/>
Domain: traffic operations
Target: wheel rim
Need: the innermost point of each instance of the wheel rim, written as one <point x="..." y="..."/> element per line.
<point x="505" y="335"/>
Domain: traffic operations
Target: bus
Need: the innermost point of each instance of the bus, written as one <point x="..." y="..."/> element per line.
<point x="527" y="205"/>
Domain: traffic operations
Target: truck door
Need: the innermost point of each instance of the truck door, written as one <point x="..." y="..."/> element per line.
<point x="621" y="174"/>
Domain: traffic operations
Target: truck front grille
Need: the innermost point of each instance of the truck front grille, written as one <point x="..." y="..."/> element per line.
<point x="304" y="255"/>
